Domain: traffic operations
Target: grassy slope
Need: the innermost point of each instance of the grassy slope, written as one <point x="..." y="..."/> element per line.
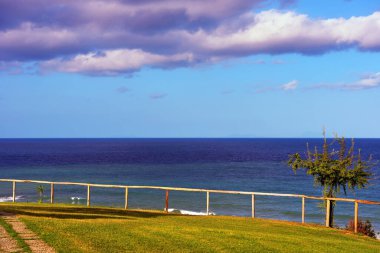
<point x="76" y="229"/>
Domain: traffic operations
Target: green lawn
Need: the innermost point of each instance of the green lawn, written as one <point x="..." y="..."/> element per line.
<point x="79" y="229"/>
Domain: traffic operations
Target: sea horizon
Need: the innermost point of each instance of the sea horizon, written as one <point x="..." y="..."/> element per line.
<point x="84" y="138"/>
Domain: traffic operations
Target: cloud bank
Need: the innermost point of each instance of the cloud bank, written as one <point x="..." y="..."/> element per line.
<point x="114" y="37"/>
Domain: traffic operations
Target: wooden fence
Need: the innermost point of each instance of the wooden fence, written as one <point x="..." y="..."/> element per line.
<point x="168" y="189"/>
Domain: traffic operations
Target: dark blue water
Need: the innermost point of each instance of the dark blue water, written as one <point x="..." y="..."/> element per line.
<point x="230" y="164"/>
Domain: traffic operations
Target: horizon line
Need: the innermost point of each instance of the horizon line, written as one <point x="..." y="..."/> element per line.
<point x="19" y="138"/>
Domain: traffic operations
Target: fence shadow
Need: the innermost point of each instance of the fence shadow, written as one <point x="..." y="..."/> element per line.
<point x="78" y="212"/>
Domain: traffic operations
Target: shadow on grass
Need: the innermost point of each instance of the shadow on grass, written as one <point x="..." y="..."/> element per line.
<point x="69" y="212"/>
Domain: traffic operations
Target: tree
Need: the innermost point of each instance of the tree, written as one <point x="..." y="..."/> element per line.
<point x="334" y="170"/>
<point x="40" y="191"/>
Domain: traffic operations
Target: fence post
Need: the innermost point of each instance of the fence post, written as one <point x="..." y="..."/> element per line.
<point x="208" y="202"/>
<point x="51" y="193"/>
<point x="126" y="198"/>
<point x="167" y="201"/>
<point x="356" y="219"/>
<point x="303" y="209"/>
<point x="14" y="192"/>
<point x="328" y="213"/>
<point x="253" y="205"/>
<point x="88" y="195"/>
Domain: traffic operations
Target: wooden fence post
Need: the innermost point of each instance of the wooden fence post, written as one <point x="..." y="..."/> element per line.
<point x="208" y="203"/>
<point x="253" y="205"/>
<point x="51" y="193"/>
<point x="328" y="213"/>
<point x="88" y="195"/>
<point x="167" y="201"/>
<point x="14" y="192"/>
<point x="356" y="219"/>
<point x="303" y="210"/>
<point x="126" y="198"/>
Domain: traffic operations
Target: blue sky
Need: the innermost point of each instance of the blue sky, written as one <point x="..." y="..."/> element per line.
<point x="290" y="83"/>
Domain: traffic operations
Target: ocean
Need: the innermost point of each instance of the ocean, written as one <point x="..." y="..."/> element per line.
<point x="224" y="164"/>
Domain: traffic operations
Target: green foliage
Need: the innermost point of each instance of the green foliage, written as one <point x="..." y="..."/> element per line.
<point x="334" y="170"/>
<point x="40" y="191"/>
<point x="364" y="227"/>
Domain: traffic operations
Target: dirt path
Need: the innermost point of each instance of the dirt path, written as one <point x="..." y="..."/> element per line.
<point x="7" y="243"/>
<point x="30" y="238"/>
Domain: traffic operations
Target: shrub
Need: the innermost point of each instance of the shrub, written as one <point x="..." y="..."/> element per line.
<point x="364" y="227"/>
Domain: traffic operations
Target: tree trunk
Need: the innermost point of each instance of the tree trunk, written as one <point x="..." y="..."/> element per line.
<point x="331" y="221"/>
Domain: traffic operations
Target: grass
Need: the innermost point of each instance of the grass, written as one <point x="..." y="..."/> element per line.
<point x="14" y="235"/>
<point x="78" y="229"/>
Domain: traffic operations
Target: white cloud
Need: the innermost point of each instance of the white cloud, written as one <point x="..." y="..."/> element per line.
<point x="367" y="82"/>
<point x="113" y="62"/>
<point x="371" y="81"/>
<point x="292" y="85"/>
<point x="286" y="32"/>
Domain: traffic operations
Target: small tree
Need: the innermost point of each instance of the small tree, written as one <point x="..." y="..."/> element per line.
<point x="334" y="170"/>
<point x="40" y="191"/>
<point x="364" y="227"/>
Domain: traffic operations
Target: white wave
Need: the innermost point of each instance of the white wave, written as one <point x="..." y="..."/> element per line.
<point x="76" y="198"/>
<point x="187" y="212"/>
<point x="10" y="199"/>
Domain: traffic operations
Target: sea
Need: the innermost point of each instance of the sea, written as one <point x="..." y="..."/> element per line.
<point x="258" y="165"/>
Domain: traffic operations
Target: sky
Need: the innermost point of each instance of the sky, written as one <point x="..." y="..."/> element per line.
<point x="189" y="68"/>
